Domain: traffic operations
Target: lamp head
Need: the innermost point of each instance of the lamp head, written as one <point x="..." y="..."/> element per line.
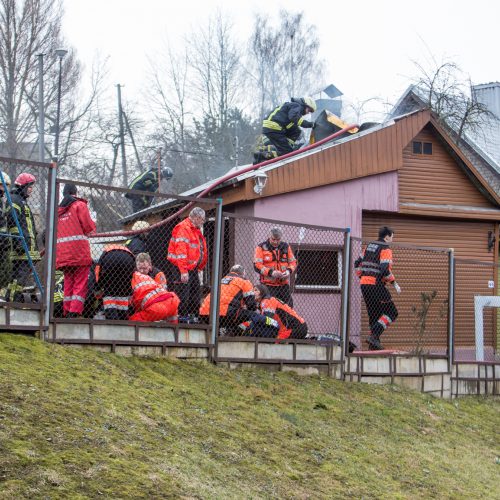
<point x="61" y="53"/>
<point x="260" y="182"/>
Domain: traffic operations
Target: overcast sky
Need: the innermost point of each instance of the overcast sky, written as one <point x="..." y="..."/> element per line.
<point x="368" y="45"/>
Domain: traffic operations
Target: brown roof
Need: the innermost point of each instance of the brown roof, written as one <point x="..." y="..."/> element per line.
<point x="371" y="152"/>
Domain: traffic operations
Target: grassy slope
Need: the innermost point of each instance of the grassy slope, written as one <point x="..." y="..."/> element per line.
<point x="77" y="423"/>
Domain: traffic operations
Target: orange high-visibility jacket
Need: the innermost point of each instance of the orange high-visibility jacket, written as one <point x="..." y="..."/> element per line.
<point x="375" y="265"/>
<point x="146" y="291"/>
<point x="187" y="248"/>
<point x="235" y="292"/>
<point x="287" y="318"/>
<point x="268" y="259"/>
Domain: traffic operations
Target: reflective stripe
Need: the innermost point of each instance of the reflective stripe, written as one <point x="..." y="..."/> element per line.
<point x="175" y="256"/>
<point x="150" y="295"/>
<point x="368" y="270"/>
<point x="72" y="238"/>
<point x="263" y="270"/>
<point x="144" y="283"/>
<point x="248" y="294"/>
<point x="74" y="297"/>
<point x="172" y="318"/>
<point x="268" y="309"/>
<point x="386" y="261"/>
<point x="272" y="125"/>
<point x="115" y="306"/>
<point x="259" y="260"/>
<point x="175" y="240"/>
<point x="194" y="245"/>
<point x="120" y="303"/>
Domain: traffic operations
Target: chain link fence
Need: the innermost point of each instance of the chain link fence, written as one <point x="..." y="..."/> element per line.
<point x="132" y="255"/>
<point x="300" y="265"/>
<point x="476" y="312"/>
<point x="414" y="320"/>
<point x="23" y="219"/>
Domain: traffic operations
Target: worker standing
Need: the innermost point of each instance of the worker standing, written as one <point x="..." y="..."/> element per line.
<point x="374" y="268"/>
<point x="5" y="270"/>
<point x="275" y="262"/>
<point x="187" y="254"/>
<point x="283" y="124"/>
<point x="22" y="275"/>
<point x="73" y="249"/>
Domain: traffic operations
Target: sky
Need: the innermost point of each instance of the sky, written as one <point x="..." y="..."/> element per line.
<point x="369" y="46"/>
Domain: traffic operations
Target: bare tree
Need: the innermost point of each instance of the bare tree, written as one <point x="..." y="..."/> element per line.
<point x="28" y="28"/>
<point x="284" y="60"/>
<point x="214" y="57"/>
<point x="448" y="93"/>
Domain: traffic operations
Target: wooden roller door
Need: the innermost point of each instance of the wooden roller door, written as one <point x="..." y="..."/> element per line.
<point x="469" y="240"/>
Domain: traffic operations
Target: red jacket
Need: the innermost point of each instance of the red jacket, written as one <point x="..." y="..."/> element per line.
<point x="187" y="248"/>
<point x="73" y="226"/>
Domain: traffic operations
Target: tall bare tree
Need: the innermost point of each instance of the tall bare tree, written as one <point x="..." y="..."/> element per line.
<point x="284" y="60"/>
<point x="29" y="28"/>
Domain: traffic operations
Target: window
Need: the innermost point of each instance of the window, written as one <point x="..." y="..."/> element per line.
<point x="319" y="269"/>
<point x="422" y="148"/>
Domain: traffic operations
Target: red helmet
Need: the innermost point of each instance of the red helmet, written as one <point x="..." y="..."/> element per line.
<point x="24" y="179"/>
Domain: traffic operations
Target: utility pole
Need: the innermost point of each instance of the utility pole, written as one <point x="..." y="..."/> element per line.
<point x="41" y="112"/>
<point x="236" y="150"/>
<point x="122" y="135"/>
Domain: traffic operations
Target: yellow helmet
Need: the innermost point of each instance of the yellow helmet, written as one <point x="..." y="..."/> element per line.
<point x="310" y="103"/>
<point x="140" y="224"/>
<point x="6" y="178"/>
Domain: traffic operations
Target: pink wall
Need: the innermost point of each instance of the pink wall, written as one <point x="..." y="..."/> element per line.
<point x="337" y="205"/>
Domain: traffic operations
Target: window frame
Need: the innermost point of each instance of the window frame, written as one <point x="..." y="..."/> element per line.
<point x="323" y="289"/>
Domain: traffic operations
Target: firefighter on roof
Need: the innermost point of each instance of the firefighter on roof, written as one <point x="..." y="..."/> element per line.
<point x="147" y="181"/>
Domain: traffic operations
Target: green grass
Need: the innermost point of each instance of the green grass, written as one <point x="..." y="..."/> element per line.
<point x="75" y="423"/>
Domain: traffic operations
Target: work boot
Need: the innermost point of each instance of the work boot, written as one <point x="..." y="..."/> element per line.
<point x="374" y="343"/>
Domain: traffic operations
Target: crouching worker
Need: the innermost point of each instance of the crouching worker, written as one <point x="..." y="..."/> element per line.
<point x="114" y="273"/>
<point x="290" y="324"/>
<point x="151" y="301"/>
<point x="236" y="300"/>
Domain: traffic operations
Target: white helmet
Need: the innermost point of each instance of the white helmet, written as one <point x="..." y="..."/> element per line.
<point x="6" y="178"/>
<point x="140" y="224"/>
<point x="310" y="103"/>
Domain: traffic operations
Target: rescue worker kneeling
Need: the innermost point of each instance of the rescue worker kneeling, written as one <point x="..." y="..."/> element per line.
<point x="151" y="301"/>
<point x="289" y="323"/>
<point x="236" y="300"/>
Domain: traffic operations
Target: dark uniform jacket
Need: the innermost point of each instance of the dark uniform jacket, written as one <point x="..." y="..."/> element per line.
<point x="287" y="118"/>
<point x="374" y="267"/>
<point x="27" y="223"/>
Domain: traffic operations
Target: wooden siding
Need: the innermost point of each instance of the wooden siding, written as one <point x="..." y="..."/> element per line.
<point x="436" y="179"/>
<point x="416" y="273"/>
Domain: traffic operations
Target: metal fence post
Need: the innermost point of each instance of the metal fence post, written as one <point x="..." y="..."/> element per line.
<point x="214" y="296"/>
<point x="346" y="278"/>
<point x="451" y="307"/>
<point x="50" y="238"/>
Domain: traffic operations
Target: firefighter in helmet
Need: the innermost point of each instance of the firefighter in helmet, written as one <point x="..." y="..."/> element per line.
<point x="282" y="126"/>
<point x="22" y="275"/>
<point x="147" y="181"/>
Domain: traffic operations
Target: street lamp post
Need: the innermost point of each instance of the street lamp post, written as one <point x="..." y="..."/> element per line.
<point x="60" y="53"/>
<point x="50" y="236"/>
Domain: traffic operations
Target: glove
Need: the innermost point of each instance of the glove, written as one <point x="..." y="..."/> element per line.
<point x="271" y="322"/>
<point x="397" y="287"/>
<point x="314" y="125"/>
